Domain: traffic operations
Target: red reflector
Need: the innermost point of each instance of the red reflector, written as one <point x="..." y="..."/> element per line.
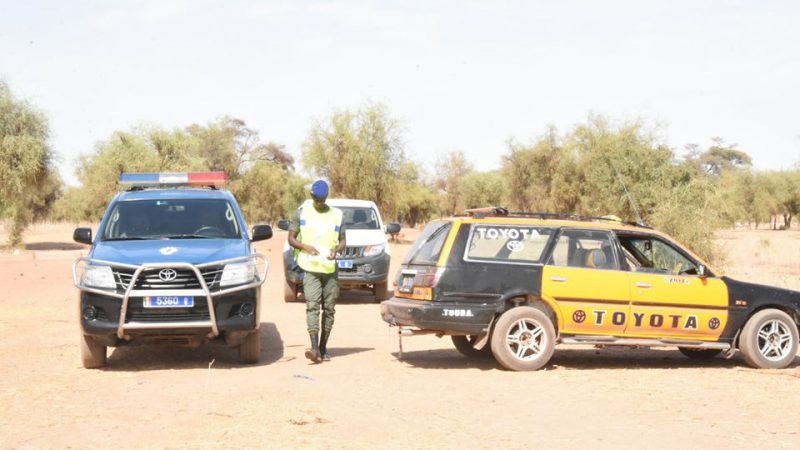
<point x="207" y="178"/>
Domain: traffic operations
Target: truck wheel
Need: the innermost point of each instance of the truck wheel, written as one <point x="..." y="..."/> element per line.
<point x="250" y="348"/>
<point x="464" y="344"/>
<point x="380" y="291"/>
<point x="93" y="355"/>
<point x="699" y="354"/>
<point x="289" y="291"/>
<point x="769" y="340"/>
<point x="523" y="339"/>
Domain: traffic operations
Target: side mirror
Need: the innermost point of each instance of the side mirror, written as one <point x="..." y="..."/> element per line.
<point x="392" y="228"/>
<point x="283" y="224"/>
<point x="261" y="232"/>
<point x="701" y="271"/>
<point x="82" y="236"/>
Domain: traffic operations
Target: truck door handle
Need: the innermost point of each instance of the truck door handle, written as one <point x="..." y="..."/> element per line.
<point x="644" y="285"/>
<point x="558" y="279"/>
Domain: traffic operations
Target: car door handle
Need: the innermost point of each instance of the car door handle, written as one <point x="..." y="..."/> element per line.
<point x="644" y="285"/>
<point x="558" y="279"/>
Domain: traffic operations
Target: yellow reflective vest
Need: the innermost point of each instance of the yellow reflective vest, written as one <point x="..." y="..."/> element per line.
<point x="321" y="231"/>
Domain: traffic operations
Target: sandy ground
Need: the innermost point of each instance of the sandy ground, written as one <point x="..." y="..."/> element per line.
<point x="172" y="397"/>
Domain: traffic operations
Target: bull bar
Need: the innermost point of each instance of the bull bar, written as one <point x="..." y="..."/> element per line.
<point x="204" y="290"/>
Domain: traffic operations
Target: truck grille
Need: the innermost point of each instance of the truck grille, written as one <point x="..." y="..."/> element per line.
<point x="184" y="279"/>
<point x="352" y="252"/>
<point x="138" y="313"/>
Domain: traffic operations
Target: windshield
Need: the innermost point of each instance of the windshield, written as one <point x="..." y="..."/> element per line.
<point x="355" y="218"/>
<point x="172" y="219"/>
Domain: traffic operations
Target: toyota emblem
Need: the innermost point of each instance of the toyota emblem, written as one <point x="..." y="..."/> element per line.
<point x="167" y="274"/>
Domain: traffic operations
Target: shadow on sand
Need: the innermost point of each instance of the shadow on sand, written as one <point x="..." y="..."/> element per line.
<point x="172" y="357"/>
<point x="579" y="359"/>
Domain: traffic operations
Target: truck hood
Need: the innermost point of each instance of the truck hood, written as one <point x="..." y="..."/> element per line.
<point x="364" y="237"/>
<point x="194" y="251"/>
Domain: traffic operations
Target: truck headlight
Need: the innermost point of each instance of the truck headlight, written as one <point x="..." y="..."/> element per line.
<point x="374" y="250"/>
<point x="238" y="273"/>
<point x="99" y="277"/>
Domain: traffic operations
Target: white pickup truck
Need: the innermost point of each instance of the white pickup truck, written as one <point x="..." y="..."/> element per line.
<point x="364" y="263"/>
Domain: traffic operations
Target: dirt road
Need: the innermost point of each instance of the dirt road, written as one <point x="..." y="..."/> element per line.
<point x="165" y="397"/>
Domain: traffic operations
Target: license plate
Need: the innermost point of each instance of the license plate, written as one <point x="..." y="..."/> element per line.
<point x="345" y="263"/>
<point x="407" y="283"/>
<point x="169" y="301"/>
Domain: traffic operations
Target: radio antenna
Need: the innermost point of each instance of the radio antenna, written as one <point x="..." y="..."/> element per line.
<point x="632" y="202"/>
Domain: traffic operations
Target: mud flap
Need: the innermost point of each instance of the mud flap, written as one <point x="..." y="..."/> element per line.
<point x="485" y="339"/>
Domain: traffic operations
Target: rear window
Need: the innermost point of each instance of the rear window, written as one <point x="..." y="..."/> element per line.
<point x="428" y="246"/>
<point x="507" y="243"/>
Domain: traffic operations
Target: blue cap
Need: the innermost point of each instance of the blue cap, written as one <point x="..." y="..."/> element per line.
<point x="319" y="189"/>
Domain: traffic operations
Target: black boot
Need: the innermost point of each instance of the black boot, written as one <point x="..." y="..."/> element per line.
<point x="313" y="352"/>
<point x="323" y="345"/>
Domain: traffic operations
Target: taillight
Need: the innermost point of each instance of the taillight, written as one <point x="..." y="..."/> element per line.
<point x="418" y="285"/>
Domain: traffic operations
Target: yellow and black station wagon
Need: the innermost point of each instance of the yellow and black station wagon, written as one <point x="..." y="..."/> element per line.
<point x="514" y="285"/>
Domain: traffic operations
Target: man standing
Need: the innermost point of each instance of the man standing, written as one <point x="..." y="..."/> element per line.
<point x="317" y="235"/>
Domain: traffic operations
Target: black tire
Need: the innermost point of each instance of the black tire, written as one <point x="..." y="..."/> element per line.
<point x="250" y="348"/>
<point x="769" y="340"/>
<point x="464" y="344"/>
<point x="289" y="291"/>
<point x="530" y="352"/>
<point x="699" y="354"/>
<point x="93" y="354"/>
<point x="380" y="291"/>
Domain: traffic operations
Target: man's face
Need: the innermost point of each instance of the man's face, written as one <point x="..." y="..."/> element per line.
<point x="319" y="202"/>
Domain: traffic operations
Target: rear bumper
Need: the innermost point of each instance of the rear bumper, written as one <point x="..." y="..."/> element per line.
<point x="448" y="318"/>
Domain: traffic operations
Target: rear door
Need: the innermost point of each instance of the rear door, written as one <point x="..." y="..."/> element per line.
<point x="583" y="279"/>
<point x="668" y="297"/>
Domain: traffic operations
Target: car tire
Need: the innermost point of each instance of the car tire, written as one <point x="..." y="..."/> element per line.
<point x="289" y="291"/>
<point x="250" y="348"/>
<point x="523" y="339"/>
<point x="380" y="291"/>
<point x="699" y="354"/>
<point x="93" y="354"/>
<point x="464" y="344"/>
<point x="769" y="340"/>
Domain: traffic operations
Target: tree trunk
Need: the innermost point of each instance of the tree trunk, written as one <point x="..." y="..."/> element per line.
<point x="787" y="221"/>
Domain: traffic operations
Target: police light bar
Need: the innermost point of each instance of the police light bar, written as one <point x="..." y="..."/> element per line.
<point x="173" y="179"/>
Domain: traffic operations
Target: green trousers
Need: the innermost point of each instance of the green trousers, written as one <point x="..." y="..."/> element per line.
<point x="321" y="291"/>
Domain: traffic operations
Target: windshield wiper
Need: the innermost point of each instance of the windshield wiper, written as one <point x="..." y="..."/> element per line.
<point x="188" y="236"/>
<point x="130" y="238"/>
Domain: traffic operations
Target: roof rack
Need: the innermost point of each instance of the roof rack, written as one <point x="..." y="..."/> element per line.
<point x="499" y="211"/>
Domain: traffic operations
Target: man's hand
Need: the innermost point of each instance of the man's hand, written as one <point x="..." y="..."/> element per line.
<point x="311" y="250"/>
<point x="332" y="255"/>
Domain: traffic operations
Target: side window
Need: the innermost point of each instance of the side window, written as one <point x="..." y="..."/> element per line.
<point x="584" y="248"/>
<point x="649" y="254"/>
<point x="507" y="243"/>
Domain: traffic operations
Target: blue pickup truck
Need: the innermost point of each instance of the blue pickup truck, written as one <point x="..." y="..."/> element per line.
<point x="172" y="262"/>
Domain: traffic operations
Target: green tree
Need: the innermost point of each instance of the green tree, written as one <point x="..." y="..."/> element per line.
<point x="480" y="189"/>
<point x="360" y="153"/>
<point x="451" y="169"/>
<point x="543" y="176"/>
<point x="28" y="180"/>
<point x="260" y="192"/>
<point x="416" y="200"/>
